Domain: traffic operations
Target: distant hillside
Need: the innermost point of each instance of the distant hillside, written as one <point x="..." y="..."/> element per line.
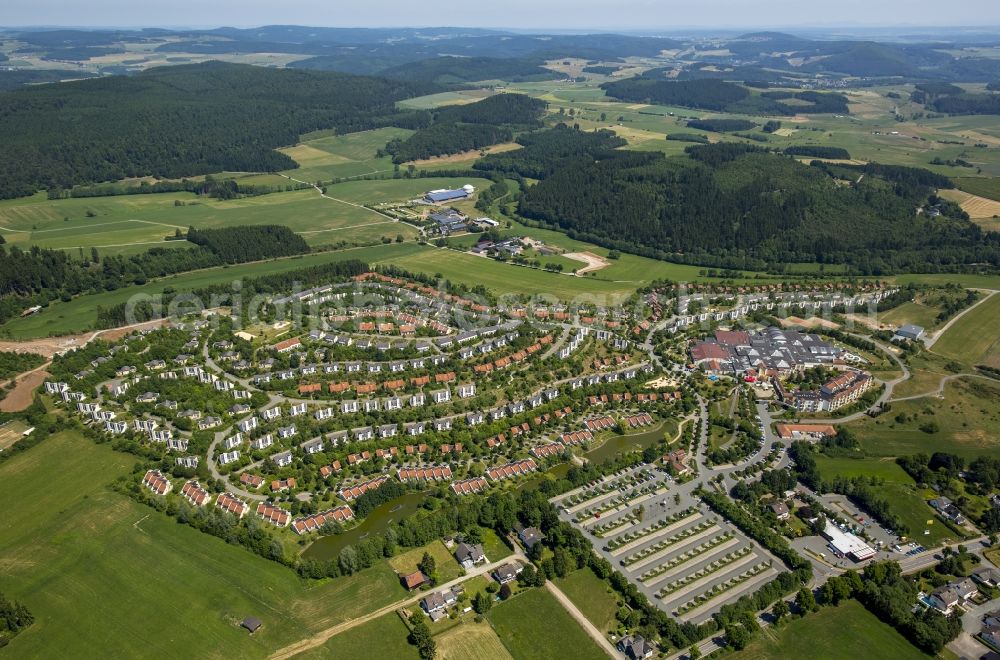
<point x="720" y="96"/>
<point x="458" y="70"/>
<point x="181" y="121"/>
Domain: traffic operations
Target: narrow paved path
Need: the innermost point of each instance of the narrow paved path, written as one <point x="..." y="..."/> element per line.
<point x="940" y="388"/>
<point x="930" y="341"/>
<point x="322" y="636"/>
<point x="584" y="622"/>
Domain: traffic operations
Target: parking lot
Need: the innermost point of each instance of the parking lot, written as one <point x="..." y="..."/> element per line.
<point x="682" y="556"/>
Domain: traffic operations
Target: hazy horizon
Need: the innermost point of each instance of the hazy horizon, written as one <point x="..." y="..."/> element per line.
<point x="554" y="15"/>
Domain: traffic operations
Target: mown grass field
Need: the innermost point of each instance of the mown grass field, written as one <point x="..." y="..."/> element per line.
<point x="845" y="631"/>
<point x="975" y="338"/>
<point x="470" y="641"/>
<point x="106" y="576"/>
<point x="966" y="418"/>
<point x="910" y="312"/>
<point x="592" y="595"/>
<point x="384" y="637"/>
<point x="534" y="625"/>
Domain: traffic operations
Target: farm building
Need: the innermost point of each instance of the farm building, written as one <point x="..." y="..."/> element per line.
<point x="444" y="195"/>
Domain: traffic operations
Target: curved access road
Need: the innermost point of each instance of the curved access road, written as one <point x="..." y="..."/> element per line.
<point x="930" y="341"/>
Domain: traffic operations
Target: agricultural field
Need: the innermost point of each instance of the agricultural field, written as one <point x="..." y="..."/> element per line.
<point x="325" y="157"/>
<point x="432" y="101"/>
<point x="471" y="641"/>
<point x="821" y="636"/>
<point x="592" y="596"/>
<point x="77" y="552"/>
<point x="983" y="211"/>
<point x="975" y="338"/>
<point x="127" y="224"/>
<point x="534" y="625"/>
<point x="962" y="422"/>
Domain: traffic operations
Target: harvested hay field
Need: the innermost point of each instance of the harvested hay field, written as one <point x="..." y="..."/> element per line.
<point x="983" y="211"/>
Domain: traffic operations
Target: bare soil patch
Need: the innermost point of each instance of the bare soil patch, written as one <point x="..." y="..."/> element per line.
<point x="593" y="261"/>
<point x="19" y="398"/>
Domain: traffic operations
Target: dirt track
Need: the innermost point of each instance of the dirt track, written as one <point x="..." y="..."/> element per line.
<point x="593" y="261"/>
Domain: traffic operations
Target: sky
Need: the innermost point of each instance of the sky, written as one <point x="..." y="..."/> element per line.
<point x="524" y="14"/>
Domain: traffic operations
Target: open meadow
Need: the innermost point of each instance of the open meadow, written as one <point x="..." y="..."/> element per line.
<point x="975" y="338"/>
<point x="94" y="566"/>
<point x="845" y="631"/>
<point x="534" y="625"/>
<point x="963" y="422"/>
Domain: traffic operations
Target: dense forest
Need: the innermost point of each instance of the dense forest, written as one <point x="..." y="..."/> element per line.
<point x="720" y="96"/>
<point x="721" y="125"/>
<point x="235" y="245"/>
<point x="39" y="276"/>
<point x="545" y="152"/>
<point x="458" y="128"/>
<point x="737" y="205"/>
<point x="106" y="129"/>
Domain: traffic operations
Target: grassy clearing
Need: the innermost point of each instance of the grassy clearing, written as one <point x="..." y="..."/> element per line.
<point x="504" y="278"/>
<point x="105" y="575"/>
<point x="910" y="312"/>
<point x="592" y="595"/>
<point x="384" y="637"/>
<point x="821" y="636"/>
<point x="470" y="641"/>
<point x="325" y="157"/>
<point x="534" y="625"/>
<point x="447" y="567"/>
<point x="966" y="420"/>
<point x="975" y="338"/>
<point x="444" y="98"/>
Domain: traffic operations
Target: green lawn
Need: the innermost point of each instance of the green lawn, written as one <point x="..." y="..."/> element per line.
<point x="534" y="625"/>
<point x="592" y="595"/>
<point x="833" y="633"/>
<point x="493" y="546"/>
<point x="384" y="637"/>
<point x="975" y="338"/>
<point x="106" y="576"/>
<point x="470" y="641"/>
